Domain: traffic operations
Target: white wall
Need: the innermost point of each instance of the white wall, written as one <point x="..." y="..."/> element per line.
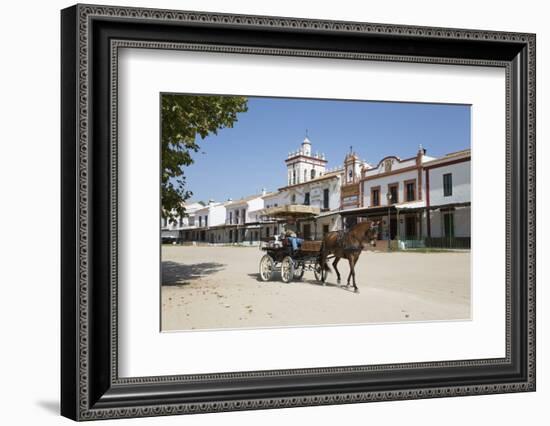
<point x="315" y="190"/>
<point x="233" y="212"/>
<point x="303" y="167"/>
<point x="30" y="275"/>
<point x="461" y="184"/>
<point x="462" y="221"/>
<point x="272" y="200"/>
<point x="250" y="207"/>
<point x="181" y="222"/>
<point x="217" y="215"/>
<point x="384" y="181"/>
<point x="252" y="210"/>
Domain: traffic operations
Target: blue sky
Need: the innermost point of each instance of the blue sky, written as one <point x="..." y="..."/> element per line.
<point x="242" y="160"/>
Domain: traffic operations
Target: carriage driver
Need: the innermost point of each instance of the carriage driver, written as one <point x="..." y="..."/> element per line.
<point x="295" y="242"/>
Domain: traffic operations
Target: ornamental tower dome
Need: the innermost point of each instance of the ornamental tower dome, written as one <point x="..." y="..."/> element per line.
<point x="303" y="166"/>
<point x="306" y="147"/>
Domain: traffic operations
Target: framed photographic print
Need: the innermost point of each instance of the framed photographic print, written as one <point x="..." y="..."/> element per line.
<point x="263" y="212"/>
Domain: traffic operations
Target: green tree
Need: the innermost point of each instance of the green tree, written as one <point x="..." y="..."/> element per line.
<point x="185" y="120"/>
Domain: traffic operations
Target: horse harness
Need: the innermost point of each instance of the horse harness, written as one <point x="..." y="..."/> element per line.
<point x="342" y="236"/>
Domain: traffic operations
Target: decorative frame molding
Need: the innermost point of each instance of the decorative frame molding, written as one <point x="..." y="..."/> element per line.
<point x="91" y="37"/>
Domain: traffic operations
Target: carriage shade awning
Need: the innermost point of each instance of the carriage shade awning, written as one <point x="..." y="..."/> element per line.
<point x="294" y="210"/>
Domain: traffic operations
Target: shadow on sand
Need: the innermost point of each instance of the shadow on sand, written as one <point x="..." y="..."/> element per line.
<point x="277" y="278"/>
<point x="174" y="273"/>
<point x="329" y="284"/>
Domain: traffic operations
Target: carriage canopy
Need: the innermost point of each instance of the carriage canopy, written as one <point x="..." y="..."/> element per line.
<point x="291" y="211"/>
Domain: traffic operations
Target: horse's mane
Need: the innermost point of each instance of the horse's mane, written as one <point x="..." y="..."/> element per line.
<point x="354" y="236"/>
<point x="359" y="228"/>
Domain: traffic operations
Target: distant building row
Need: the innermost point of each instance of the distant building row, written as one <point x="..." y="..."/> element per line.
<point x="418" y="200"/>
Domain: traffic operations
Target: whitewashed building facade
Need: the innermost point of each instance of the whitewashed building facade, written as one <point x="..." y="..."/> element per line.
<point x="417" y="200"/>
<point x="449" y="202"/>
<point x="183" y="228"/>
<point x="241" y="220"/>
<point x="210" y="217"/>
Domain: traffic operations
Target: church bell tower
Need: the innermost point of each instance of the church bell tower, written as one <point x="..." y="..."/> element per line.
<point x="303" y="166"/>
<point x="352" y="168"/>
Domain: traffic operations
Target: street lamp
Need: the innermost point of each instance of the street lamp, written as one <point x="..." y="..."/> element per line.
<point x="389" y="198"/>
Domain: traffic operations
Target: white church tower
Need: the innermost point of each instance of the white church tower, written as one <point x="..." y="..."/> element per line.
<point x="302" y="165"/>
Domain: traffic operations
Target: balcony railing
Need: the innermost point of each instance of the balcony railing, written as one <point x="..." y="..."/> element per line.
<point x="448" y="242"/>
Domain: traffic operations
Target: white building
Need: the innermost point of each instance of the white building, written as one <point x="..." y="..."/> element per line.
<point x="242" y="224"/>
<point x="418" y="200"/>
<point x="399" y="184"/>
<point x="183" y="227"/>
<point x="209" y="217"/>
<point x="322" y="192"/>
<point x="449" y="201"/>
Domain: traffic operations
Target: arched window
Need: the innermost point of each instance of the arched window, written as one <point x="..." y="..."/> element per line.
<point x="312" y="173"/>
<point x="294" y="177"/>
<point x="305" y="175"/>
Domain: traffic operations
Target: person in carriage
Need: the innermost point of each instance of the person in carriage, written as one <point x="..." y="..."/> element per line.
<point x="293" y="239"/>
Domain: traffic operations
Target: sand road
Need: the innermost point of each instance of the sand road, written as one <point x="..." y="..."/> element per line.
<point x="213" y="287"/>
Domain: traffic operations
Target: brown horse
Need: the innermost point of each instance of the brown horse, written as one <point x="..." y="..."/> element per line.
<point x="348" y="245"/>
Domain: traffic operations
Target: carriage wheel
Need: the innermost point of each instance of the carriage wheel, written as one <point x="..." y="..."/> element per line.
<point x="320" y="272"/>
<point x="299" y="271"/>
<point x="266" y="267"/>
<point x="287" y="269"/>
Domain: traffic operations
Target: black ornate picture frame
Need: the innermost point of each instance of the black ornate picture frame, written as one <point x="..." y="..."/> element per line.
<point x="91" y="388"/>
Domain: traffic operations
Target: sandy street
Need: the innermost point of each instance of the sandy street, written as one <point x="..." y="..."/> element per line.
<point x="218" y="287"/>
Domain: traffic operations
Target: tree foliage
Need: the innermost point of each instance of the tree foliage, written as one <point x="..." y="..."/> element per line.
<point x="185" y="121"/>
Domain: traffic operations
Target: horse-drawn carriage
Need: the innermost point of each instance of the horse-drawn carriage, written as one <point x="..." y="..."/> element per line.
<point x="292" y="264"/>
<point x="279" y="254"/>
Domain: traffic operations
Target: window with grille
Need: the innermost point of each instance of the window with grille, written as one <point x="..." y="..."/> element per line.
<point x="447" y="185"/>
<point x="409" y="191"/>
<point x="393" y="192"/>
<point x="375" y="197"/>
